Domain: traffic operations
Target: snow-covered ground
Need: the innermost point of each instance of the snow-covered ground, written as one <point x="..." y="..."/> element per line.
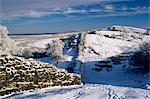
<point x="128" y="29"/>
<point x="99" y="48"/>
<point x="42" y="43"/>
<point x="105" y="47"/>
<point x="44" y="59"/>
<point x="89" y="91"/>
<point x="117" y="76"/>
<point x="69" y="52"/>
<point x="117" y="82"/>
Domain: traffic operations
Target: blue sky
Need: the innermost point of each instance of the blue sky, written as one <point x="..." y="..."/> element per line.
<point x="40" y="16"/>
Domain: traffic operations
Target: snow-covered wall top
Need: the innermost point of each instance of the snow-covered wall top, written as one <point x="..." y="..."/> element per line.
<point x="7" y="45"/>
<point x="128" y="29"/>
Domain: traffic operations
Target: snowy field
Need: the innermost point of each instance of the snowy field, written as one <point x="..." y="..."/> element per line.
<point x="89" y="91"/>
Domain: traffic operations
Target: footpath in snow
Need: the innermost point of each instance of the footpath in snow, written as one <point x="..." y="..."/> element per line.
<point x="89" y="91"/>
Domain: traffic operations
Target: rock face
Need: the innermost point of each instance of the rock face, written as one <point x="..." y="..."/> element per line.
<point x="7" y="45"/>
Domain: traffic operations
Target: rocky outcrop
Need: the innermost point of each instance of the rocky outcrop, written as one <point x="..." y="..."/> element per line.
<point x="7" y="45"/>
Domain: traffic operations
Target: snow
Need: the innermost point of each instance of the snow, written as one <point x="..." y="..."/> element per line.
<point x="88" y="91"/>
<point x="70" y="53"/>
<point x="146" y="39"/>
<point x="42" y="43"/>
<point x="118" y="76"/>
<point x="99" y="48"/>
<point x="106" y="47"/>
<point x="68" y="59"/>
<point x="45" y="59"/>
<point x="109" y="32"/>
<point x="118" y="82"/>
<point x="7" y="45"/>
<point x="128" y="29"/>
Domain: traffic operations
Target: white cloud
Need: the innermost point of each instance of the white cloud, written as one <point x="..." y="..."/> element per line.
<point x="11" y="5"/>
<point x="109" y="7"/>
<point x="30" y="8"/>
<point x="108" y="10"/>
<point x="136" y="11"/>
<point x="27" y="13"/>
